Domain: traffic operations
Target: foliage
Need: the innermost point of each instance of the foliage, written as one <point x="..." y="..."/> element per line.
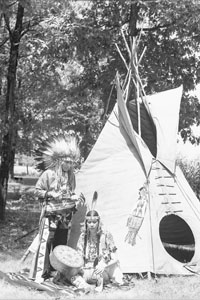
<point x="47" y="73"/>
<point x="68" y="61"/>
<point x="170" y="35"/>
<point x="172" y="55"/>
<point x="191" y="170"/>
<point x="189" y="115"/>
<point x="172" y="40"/>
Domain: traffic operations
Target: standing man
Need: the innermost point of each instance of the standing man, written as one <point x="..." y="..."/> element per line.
<point x="55" y="189"/>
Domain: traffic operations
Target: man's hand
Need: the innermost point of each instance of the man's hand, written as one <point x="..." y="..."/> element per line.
<point x="74" y="197"/>
<point x="53" y="194"/>
<point x="81" y="199"/>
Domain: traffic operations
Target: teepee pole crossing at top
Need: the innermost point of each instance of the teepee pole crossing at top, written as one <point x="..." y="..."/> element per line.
<point x="133" y="74"/>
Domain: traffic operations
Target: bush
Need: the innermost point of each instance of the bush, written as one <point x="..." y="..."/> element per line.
<point x="191" y="170"/>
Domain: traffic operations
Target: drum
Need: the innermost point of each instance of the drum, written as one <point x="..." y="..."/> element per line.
<point x="60" y="207"/>
<point x="66" y="260"/>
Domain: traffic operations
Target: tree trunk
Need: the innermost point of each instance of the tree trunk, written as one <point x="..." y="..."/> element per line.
<point x="84" y="143"/>
<point x="10" y="115"/>
<point x="134" y="10"/>
<point x="12" y="163"/>
<point x="133" y="32"/>
<point x="13" y="150"/>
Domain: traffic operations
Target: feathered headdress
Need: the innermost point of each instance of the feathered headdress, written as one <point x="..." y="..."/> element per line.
<point x="54" y="150"/>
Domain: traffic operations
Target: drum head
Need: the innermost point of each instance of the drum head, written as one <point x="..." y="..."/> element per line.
<point x="66" y="260"/>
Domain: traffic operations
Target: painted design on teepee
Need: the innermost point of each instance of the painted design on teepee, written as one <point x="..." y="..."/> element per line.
<point x="135" y="220"/>
<point x="165" y="188"/>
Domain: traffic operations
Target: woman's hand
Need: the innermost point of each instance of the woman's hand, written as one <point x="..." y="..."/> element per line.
<point x="99" y="269"/>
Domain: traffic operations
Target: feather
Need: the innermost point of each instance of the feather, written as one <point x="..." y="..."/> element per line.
<point x="94" y="200"/>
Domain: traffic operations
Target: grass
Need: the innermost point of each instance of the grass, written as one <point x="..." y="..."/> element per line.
<point x="171" y="287"/>
<point x="175" y="287"/>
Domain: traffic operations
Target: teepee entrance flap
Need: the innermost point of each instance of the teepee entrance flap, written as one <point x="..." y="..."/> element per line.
<point x="143" y="152"/>
<point x="164" y="108"/>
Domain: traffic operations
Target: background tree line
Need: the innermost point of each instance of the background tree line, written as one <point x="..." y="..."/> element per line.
<point x="58" y="61"/>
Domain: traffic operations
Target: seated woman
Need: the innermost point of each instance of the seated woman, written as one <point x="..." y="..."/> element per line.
<point x="98" y="249"/>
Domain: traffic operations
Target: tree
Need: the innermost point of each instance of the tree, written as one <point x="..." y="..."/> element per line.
<point x="16" y="25"/>
<point x="84" y="35"/>
<point x="9" y="134"/>
<point x="172" y="55"/>
<point x="51" y="94"/>
<point x="169" y="32"/>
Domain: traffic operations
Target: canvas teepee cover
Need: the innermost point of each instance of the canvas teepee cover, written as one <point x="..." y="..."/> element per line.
<point x="144" y="200"/>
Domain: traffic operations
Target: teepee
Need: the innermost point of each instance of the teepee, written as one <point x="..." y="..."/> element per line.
<point x="143" y="196"/>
